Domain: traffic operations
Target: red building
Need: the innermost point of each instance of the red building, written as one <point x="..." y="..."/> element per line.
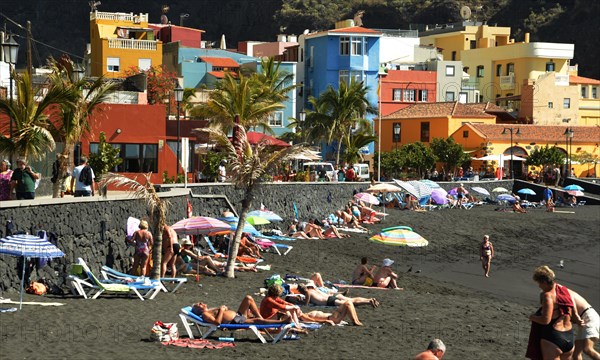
<point x="400" y="88"/>
<point x="188" y="37"/>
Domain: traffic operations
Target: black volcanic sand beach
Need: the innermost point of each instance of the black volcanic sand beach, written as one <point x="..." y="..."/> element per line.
<point x="445" y="296"/>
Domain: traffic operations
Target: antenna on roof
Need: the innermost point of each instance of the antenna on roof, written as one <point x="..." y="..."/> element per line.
<point x="465" y="12"/>
<point x="181" y="17"/>
<point x="164" y="20"/>
<point x="94" y="5"/>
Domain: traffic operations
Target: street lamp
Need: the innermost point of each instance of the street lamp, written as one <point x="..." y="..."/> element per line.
<point x="517" y="132"/>
<point x="301" y="119"/>
<point x="178" y="91"/>
<point x="396" y="134"/>
<point x="10" y="49"/>
<point x="568" y="144"/>
<point x="78" y="73"/>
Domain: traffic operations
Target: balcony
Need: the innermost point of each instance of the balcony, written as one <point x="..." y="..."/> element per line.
<point x="136" y="19"/>
<point x="132" y="44"/>
<point x="507" y="82"/>
<point x="470" y="83"/>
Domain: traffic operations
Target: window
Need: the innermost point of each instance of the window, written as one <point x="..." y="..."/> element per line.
<point x="449" y="95"/>
<point x="408" y="95"/>
<point x="449" y="70"/>
<point x="276" y="119"/>
<point x="137" y="158"/>
<point x="550" y="105"/>
<point x="144" y="64"/>
<point x="466" y="133"/>
<point x="425" y="132"/>
<point x="480" y="71"/>
<point x="583" y="91"/>
<point x="594" y="92"/>
<point x="357" y="46"/>
<point x="397" y="94"/>
<point x="567" y="103"/>
<point x="550" y="66"/>
<point x="463" y="97"/>
<point x="312" y="56"/>
<point x="510" y="68"/>
<point x="473" y="44"/>
<point x="356" y="76"/>
<point x="498" y="69"/>
<point x="113" y="64"/>
<point x="454" y="56"/>
<point x="344" y="76"/>
<point x="466" y="69"/>
<point x="423" y="95"/>
<point x="344" y="45"/>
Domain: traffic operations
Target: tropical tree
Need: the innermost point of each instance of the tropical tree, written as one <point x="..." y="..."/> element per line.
<point x="449" y="153"/>
<point x="248" y="165"/>
<point x="546" y="156"/>
<point x="355" y="142"/>
<point x="160" y="82"/>
<point x="30" y="113"/>
<point x="156" y="209"/>
<point x="106" y="159"/>
<point x="73" y="122"/>
<point x="392" y="163"/>
<point x="417" y="156"/>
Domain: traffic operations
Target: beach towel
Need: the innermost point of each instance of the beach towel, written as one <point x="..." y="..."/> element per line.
<point x="563" y="299"/>
<point x="360" y="287"/>
<point x="4" y="310"/>
<point x="198" y="344"/>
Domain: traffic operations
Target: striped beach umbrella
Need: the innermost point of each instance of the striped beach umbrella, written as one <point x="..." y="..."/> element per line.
<point x="200" y="225"/>
<point x="265" y="214"/>
<point x="408" y="188"/>
<point x="368" y="198"/>
<point x="480" y="190"/>
<point x="432" y="184"/>
<point x="257" y="220"/>
<point x="233" y="221"/>
<point x="422" y="188"/>
<point x="399" y="236"/>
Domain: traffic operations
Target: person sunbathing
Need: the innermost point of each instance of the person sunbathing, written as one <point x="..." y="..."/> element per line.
<point x="385" y="277"/>
<point x="345" y="310"/>
<point x="294" y="232"/>
<point x="517" y="207"/>
<point x="362" y="274"/>
<point x="247" y="313"/>
<point x="189" y="262"/>
<point x="332" y="232"/>
<point x="350" y="220"/>
<point x="248" y="248"/>
<point x="316" y="297"/>
<point x="273" y="307"/>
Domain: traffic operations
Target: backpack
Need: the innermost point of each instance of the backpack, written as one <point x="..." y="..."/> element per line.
<point x="85" y="177"/>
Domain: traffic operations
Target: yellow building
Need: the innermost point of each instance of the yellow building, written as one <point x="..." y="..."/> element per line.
<point x="493" y="139"/>
<point x="426" y="121"/>
<point x="120" y="41"/>
<point x="548" y="100"/>
<point x="589" y="100"/>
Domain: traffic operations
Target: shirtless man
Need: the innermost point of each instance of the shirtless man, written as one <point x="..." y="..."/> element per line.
<point x="385" y="277"/>
<point x="362" y="274"/>
<point x="347" y="309"/>
<point x="170" y="250"/>
<point x="586" y="335"/>
<point x="319" y="298"/>
<point x="435" y="351"/>
<point x="247" y="313"/>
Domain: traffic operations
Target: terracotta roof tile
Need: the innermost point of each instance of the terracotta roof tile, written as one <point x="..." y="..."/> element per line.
<point x="539" y="133"/>
<point x="583" y="80"/>
<point x="221" y="74"/>
<point x="355" y="29"/>
<point x="440" y="109"/>
<point x="220" y="62"/>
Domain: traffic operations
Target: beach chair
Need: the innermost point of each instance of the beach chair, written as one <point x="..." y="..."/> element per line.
<point x="466" y="206"/>
<point x="189" y="319"/>
<point x="267" y="244"/>
<point x="581" y="203"/>
<point x="111" y="274"/>
<point x="82" y="278"/>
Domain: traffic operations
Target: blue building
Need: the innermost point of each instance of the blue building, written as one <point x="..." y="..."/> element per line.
<point x="341" y="54"/>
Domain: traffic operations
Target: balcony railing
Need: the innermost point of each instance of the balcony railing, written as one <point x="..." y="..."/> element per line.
<point x="136" y="19"/>
<point x="470" y="83"/>
<point x="507" y="82"/>
<point x="132" y="44"/>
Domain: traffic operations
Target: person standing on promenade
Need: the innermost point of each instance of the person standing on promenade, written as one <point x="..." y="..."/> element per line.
<point x="83" y="179"/>
<point x="23" y="181"/>
<point x="486" y="254"/>
<point x="587" y="334"/>
<point x="5" y="175"/>
<point x="435" y="351"/>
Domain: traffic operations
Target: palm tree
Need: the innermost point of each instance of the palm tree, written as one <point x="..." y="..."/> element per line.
<point x="30" y="113"/>
<point x="345" y="108"/>
<point x="248" y="164"/>
<point x="354" y="142"/>
<point x="74" y="122"/>
<point x="276" y="83"/>
<point x="156" y="209"/>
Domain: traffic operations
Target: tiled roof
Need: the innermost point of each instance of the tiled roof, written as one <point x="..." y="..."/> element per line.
<point x="538" y="133"/>
<point x="441" y="109"/>
<point x="583" y="80"/>
<point x="355" y="29"/>
<point x="221" y="74"/>
<point x="221" y="62"/>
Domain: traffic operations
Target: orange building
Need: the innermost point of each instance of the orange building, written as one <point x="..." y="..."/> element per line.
<point x="401" y="88"/>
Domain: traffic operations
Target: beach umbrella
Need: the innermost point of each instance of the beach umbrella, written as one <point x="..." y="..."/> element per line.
<point x="257" y="220"/>
<point x="368" y="198"/>
<point x="573" y="187"/>
<point x="28" y="246"/>
<point x="500" y="190"/>
<point x="480" y="190"/>
<point x="575" y="192"/>
<point x="399" y="236"/>
<point x="265" y="214"/>
<point x="506" y="197"/>
<point x="200" y="225"/>
<point x="432" y="184"/>
<point x="384" y="188"/>
<point x="408" y="188"/>
<point x="439" y="196"/>
<point x="526" y="191"/>
<point x="233" y="222"/>
<point x="422" y="188"/>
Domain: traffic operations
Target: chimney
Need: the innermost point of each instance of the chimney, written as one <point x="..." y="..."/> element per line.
<point x="526" y="38"/>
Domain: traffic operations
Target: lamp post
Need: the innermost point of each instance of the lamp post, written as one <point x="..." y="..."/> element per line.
<point x="568" y="144"/>
<point x="396" y="134"/>
<point x="517" y="132"/>
<point x="78" y="73"/>
<point x="10" y="48"/>
<point x="301" y="119"/>
<point x="178" y="91"/>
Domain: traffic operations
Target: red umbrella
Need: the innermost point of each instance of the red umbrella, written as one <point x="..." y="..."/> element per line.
<point x="256" y="137"/>
<point x="200" y="225"/>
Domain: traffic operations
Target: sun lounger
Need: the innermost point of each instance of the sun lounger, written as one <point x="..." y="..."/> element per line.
<point x="82" y="279"/>
<point x="189" y="319"/>
<point x="114" y="275"/>
<point x="266" y="244"/>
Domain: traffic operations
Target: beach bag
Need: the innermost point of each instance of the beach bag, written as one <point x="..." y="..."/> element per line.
<point x="164" y="332"/>
<point x="274" y="279"/>
<point x="36" y="288"/>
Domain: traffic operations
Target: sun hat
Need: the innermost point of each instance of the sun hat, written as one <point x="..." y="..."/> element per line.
<point x="186" y="241"/>
<point x="388" y="262"/>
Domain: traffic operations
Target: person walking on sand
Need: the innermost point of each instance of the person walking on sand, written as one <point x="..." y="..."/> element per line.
<point x="435" y="351"/>
<point x="587" y="334"/>
<point x="362" y="274"/>
<point x="385" y="277"/>
<point x="486" y="254"/>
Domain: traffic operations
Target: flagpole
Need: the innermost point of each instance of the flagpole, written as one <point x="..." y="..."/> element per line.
<point x="379" y="132"/>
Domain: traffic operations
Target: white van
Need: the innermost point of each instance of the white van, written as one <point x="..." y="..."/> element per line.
<point x="362" y="172"/>
<point x="317" y="166"/>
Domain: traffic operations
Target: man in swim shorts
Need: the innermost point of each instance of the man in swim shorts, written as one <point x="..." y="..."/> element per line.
<point x="362" y="274"/>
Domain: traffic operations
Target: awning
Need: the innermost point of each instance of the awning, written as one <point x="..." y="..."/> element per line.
<point x="509" y="98"/>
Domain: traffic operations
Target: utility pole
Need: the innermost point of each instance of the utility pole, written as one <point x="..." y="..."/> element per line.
<point x="29" y="53"/>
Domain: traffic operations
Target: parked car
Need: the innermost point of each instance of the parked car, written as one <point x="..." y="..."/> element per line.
<point x="313" y="167"/>
<point x="362" y="172"/>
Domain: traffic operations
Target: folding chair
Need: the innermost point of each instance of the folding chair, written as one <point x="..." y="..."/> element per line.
<point x="114" y="275"/>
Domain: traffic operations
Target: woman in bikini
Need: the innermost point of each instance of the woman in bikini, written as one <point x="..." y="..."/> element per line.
<point x="142" y="239"/>
<point x="556" y="333"/>
<point x="486" y="254"/>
